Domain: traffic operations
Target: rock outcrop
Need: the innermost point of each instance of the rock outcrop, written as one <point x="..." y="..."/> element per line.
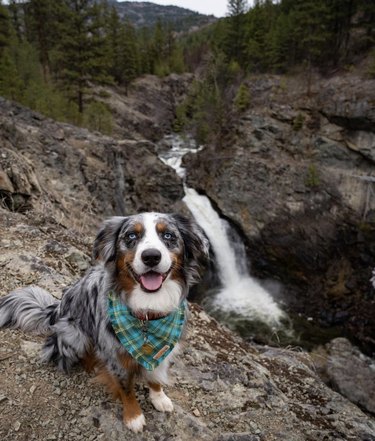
<point x="296" y="179"/>
<point x="348" y="371"/>
<point x="147" y="111"/>
<point x="77" y="176"/>
<point x="223" y="388"/>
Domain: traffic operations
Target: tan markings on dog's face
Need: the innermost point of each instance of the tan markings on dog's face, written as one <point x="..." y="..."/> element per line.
<point x="161" y="227"/>
<point x="177" y="267"/>
<point x="138" y="228"/>
<point x="125" y="279"/>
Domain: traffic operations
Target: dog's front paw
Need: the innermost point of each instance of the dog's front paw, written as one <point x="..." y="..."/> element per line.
<point x="136" y="424"/>
<point x="160" y="401"/>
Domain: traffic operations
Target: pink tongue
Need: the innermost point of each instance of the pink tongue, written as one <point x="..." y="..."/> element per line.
<point x="152" y="281"/>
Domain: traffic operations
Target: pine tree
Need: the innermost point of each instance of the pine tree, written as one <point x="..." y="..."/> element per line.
<point x="10" y="81"/>
<point x="100" y="62"/>
<point x="113" y="32"/>
<point x="259" y="24"/>
<point x="128" y="56"/>
<point x="236" y="7"/>
<point x="4" y="28"/>
<point x="159" y="48"/>
<point x="81" y="57"/>
<point x="41" y="30"/>
<point x="367" y="7"/>
<point x="16" y="14"/>
<point x="235" y="33"/>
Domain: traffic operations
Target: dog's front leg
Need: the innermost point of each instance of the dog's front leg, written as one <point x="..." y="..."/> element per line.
<point x="132" y="412"/>
<point x="159" y="399"/>
<point x="124" y="391"/>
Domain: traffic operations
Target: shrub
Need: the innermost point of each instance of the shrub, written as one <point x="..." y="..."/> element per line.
<point x="98" y="117"/>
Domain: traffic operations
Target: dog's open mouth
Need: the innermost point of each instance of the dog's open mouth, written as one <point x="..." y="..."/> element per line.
<point x="151" y="281"/>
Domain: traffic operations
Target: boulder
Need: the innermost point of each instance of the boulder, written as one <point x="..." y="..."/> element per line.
<point x="348" y="371"/>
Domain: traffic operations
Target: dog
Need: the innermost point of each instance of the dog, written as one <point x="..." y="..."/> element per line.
<point x="126" y="316"/>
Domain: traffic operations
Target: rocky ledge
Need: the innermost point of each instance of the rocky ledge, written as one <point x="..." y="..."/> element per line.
<point x="223" y="388"/>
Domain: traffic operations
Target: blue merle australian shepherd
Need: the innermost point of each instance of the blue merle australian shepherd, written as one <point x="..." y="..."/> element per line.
<point x="125" y="317"/>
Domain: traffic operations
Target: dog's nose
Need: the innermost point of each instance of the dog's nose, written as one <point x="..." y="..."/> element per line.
<point x="151" y="257"/>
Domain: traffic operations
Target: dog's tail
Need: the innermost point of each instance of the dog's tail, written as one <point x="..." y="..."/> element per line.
<point x="30" y="309"/>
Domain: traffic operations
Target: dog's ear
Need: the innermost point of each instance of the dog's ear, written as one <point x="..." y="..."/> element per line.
<point x="105" y="244"/>
<point x="197" y="246"/>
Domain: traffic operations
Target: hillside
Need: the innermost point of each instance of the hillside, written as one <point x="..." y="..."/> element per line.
<point x="147" y="14"/>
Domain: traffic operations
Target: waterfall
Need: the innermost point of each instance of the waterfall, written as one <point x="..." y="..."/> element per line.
<point x="240" y="293"/>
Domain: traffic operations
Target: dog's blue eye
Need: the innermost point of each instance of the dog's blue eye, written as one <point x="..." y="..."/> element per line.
<point x="167" y="236"/>
<point x="132" y="236"/>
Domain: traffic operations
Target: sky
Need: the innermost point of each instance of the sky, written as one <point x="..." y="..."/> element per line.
<point x="214" y="7"/>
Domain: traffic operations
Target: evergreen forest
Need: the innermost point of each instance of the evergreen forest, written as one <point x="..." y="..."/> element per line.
<point x="53" y="53"/>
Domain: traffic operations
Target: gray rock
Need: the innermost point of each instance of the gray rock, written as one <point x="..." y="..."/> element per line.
<point x="238" y="437"/>
<point x="81" y="178"/>
<point x="351" y="373"/>
<point x="78" y="259"/>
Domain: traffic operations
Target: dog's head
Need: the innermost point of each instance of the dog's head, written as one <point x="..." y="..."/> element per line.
<point x="153" y="257"/>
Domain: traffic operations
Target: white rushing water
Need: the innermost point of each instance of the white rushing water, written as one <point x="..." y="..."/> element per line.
<point x="179" y="148"/>
<point x="240" y="293"/>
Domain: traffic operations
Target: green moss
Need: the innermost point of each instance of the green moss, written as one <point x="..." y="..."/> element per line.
<point x="298" y="122"/>
<point x="312" y="178"/>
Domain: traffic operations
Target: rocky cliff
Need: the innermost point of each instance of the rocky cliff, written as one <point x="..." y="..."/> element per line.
<point x="76" y="176"/>
<point x="296" y="179"/>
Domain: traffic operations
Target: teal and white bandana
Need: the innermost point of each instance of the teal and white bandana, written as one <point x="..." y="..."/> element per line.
<point x="148" y="342"/>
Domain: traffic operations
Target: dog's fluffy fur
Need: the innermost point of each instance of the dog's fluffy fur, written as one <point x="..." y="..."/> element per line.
<point x="78" y="326"/>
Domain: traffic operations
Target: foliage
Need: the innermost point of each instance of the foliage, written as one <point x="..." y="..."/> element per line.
<point x="53" y="54"/>
<point x="98" y="117"/>
<point x="312" y="178"/>
<point x="242" y="99"/>
<point x="298" y="122"/>
<point x="371" y="68"/>
<point x="207" y="111"/>
<point x="4" y="27"/>
<point x="278" y="36"/>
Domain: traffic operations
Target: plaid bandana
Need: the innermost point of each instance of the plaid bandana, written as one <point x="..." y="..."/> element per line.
<point x="148" y="342"/>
